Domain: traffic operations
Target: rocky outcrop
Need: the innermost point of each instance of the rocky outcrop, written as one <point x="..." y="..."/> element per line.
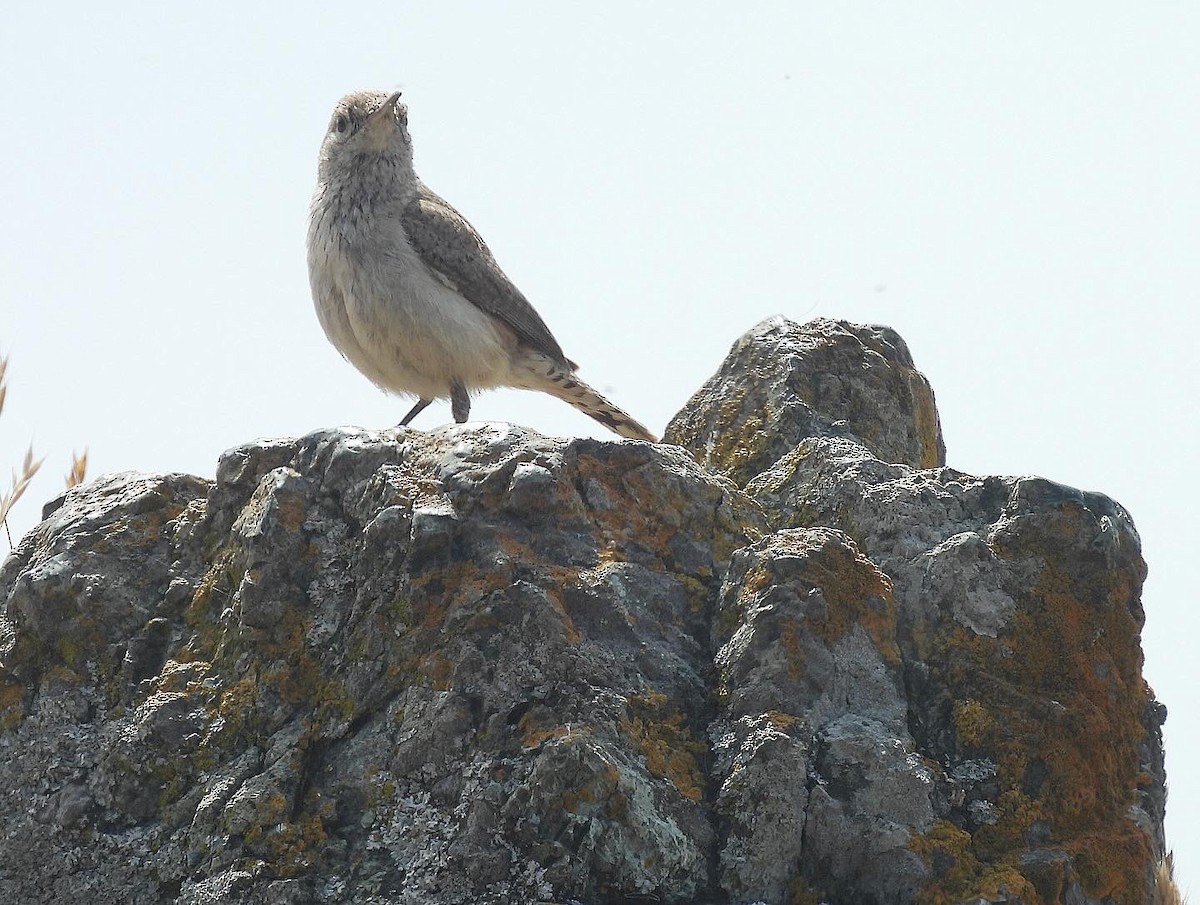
<point x="787" y="656"/>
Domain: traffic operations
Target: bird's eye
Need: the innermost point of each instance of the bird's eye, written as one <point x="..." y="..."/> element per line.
<point x="341" y="123"/>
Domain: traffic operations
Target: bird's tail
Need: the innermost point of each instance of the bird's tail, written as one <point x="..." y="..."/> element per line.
<point x="538" y="371"/>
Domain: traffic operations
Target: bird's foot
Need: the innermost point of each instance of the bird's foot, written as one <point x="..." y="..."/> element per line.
<point x="460" y="402"/>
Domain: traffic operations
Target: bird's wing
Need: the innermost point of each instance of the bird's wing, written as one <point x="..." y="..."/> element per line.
<point x="449" y="246"/>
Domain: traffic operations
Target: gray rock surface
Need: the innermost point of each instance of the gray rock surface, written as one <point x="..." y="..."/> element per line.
<point x="479" y="665"/>
<point x="784" y="381"/>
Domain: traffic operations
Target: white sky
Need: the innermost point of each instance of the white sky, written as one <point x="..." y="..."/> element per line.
<point x="1013" y="187"/>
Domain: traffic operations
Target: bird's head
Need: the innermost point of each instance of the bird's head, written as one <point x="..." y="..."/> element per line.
<point x="367" y="125"/>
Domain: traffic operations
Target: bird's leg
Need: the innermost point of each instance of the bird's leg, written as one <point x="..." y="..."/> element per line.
<point x="460" y="402"/>
<point x="421" y="405"/>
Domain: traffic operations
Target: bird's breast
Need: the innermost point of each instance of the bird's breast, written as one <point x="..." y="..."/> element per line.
<point x="394" y="317"/>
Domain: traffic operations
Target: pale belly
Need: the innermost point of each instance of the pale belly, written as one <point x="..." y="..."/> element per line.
<point x="407" y="331"/>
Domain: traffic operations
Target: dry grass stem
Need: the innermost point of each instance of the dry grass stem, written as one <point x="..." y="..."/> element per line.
<point x="21" y="478"/>
<point x="78" y="468"/>
<point x="1165" y="890"/>
<point x="20" y="483"/>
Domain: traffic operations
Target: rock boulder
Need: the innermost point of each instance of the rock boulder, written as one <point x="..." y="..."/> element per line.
<point x="788" y="656"/>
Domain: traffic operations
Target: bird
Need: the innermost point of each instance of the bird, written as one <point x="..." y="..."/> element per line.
<point x="406" y="289"/>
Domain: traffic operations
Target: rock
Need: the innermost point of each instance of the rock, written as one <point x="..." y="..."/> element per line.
<point x="479" y="665"/>
<point x="783" y="382"/>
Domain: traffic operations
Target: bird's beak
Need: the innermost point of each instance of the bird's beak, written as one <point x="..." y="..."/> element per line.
<point x="386" y="110"/>
<point x="380" y="127"/>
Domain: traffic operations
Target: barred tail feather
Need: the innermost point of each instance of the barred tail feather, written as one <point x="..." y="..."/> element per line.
<point x="537" y="371"/>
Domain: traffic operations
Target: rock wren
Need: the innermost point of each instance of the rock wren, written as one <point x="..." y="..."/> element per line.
<point x="406" y="289"/>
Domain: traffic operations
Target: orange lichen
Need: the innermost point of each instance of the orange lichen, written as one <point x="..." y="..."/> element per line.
<point x="290" y="510"/>
<point x="554" y="595"/>
<point x="438" y="668"/>
<point x="972" y="721"/>
<point x="925" y="419"/>
<point x="575" y="800"/>
<point x="232" y="715"/>
<point x="780" y="720"/>
<point x="12" y="696"/>
<point x="854" y="590"/>
<point x="535" y="733"/>
<point x="800" y="893"/>
<point x="1056" y="703"/>
<point x="793" y="650"/>
<point x="670" y="750"/>
<point x="857" y="593"/>
<point x="1014" y="814"/>
<point x="269" y="810"/>
<point x="959" y="875"/>
<point x="738" y="438"/>
<point x="631" y="523"/>
<point x="293" y="849"/>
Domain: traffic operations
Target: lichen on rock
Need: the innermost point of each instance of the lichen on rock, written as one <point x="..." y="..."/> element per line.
<point x="792" y="659"/>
